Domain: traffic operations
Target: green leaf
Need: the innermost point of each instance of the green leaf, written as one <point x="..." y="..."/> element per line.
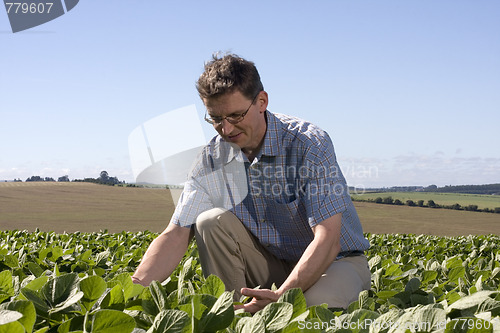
<point x="454" y="262"/>
<point x="293" y="327"/>
<point x="456" y="273"/>
<point x="75" y="324"/>
<point x="35" y="269"/>
<point x="196" y="307"/>
<point x="393" y="270"/>
<point x="13" y="327"/>
<point x="9" y="316"/>
<point x="170" y="321"/>
<point x="356" y="320"/>
<point x="324" y="315"/>
<point x="470" y="302"/>
<point x="382" y="323"/>
<point x="428" y="276"/>
<point x="147" y="302"/>
<point x="68" y="302"/>
<point x="496" y="273"/>
<point x="37" y="283"/>
<point x="254" y="325"/>
<point x="365" y="301"/>
<point x="10" y="261"/>
<point x="114" y="299"/>
<point x="36" y="298"/>
<point x="6" y="285"/>
<point x="42" y="330"/>
<point x="136" y="290"/>
<point x="433" y="318"/>
<point x="413" y="285"/>
<point x="221" y="314"/>
<point x="276" y="315"/>
<point x="374" y="261"/>
<point x="385" y="294"/>
<point x="296" y="298"/>
<point x="59" y="289"/>
<point x="452" y="297"/>
<point x="159" y="295"/>
<point x="92" y="287"/>
<point x="213" y="285"/>
<point x="112" y="321"/>
<point x="489" y="305"/>
<point x="127" y="285"/>
<point x="186" y="268"/>
<point x="27" y="309"/>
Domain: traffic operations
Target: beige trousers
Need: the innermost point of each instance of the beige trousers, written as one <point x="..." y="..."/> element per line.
<point x="227" y="249"/>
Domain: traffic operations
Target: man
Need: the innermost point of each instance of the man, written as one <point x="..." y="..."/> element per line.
<point x="290" y="222"/>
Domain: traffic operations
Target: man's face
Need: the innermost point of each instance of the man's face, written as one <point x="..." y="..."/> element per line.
<point x="249" y="133"/>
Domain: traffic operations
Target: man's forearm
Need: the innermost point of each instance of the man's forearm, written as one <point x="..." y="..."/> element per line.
<point x="318" y="256"/>
<point x="162" y="256"/>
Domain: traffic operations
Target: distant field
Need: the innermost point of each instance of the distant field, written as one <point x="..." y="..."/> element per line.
<point x="387" y="219"/>
<point x="482" y="201"/>
<point x="59" y="206"/>
<point x="69" y="207"/>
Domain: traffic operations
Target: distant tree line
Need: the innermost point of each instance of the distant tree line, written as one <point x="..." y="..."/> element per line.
<point x="490" y="189"/>
<point x="467" y="189"/>
<point x="40" y="179"/>
<point x="430" y="204"/>
<point x="103" y="178"/>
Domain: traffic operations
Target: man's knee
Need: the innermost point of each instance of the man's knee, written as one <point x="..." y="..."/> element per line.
<point x="341" y="283"/>
<point x="206" y="221"/>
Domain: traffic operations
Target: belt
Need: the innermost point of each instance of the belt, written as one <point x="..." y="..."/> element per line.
<point x="354" y="253"/>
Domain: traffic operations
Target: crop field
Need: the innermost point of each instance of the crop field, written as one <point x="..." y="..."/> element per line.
<point x="482" y="201"/>
<point x="433" y="270"/>
<point x="81" y="283"/>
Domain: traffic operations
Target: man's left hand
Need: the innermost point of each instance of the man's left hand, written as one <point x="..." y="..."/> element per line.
<point x="260" y="298"/>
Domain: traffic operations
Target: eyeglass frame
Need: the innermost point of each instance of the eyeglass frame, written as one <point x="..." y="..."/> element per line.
<point x="241" y="116"/>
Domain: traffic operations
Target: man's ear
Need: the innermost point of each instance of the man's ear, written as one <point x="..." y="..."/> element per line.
<point x="262" y="101"/>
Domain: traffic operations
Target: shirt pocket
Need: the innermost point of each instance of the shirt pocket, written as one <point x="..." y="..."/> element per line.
<point x="289" y="215"/>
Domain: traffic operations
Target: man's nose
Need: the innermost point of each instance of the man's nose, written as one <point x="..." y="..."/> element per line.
<point x="227" y="127"/>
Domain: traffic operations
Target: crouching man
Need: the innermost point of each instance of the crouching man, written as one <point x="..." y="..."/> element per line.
<point x="266" y="202"/>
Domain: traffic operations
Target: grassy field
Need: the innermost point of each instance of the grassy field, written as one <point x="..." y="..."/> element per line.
<point x="69" y="207"/>
<point x="387" y="219"/>
<point x="482" y="201"/>
<point x="60" y="206"/>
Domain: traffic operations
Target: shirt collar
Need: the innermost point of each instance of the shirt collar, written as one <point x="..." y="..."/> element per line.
<point x="270" y="147"/>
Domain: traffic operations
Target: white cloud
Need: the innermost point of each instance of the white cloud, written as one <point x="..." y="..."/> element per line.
<point x="413" y="169"/>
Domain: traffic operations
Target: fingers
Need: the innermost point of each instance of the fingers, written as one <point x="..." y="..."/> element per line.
<point x="259" y="293"/>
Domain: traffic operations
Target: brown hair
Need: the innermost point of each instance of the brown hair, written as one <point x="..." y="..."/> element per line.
<point x="226" y="74"/>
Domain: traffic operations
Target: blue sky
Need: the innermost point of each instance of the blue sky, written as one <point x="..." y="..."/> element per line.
<point x="408" y="90"/>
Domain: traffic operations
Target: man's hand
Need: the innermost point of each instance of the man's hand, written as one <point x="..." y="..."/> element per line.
<point x="260" y="298"/>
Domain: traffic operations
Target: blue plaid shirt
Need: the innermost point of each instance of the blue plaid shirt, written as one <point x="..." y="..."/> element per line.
<point x="293" y="184"/>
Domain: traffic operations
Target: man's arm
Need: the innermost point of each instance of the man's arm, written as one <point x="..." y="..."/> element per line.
<point x="163" y="255"/>
<point x="318" y="256"/>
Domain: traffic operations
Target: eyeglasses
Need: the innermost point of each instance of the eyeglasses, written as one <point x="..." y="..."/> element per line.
<point x="233" y="118"/>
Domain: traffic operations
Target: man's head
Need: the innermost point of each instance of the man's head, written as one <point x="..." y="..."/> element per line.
<point x="235" y="101"/>
<point x="227" y="74"/>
